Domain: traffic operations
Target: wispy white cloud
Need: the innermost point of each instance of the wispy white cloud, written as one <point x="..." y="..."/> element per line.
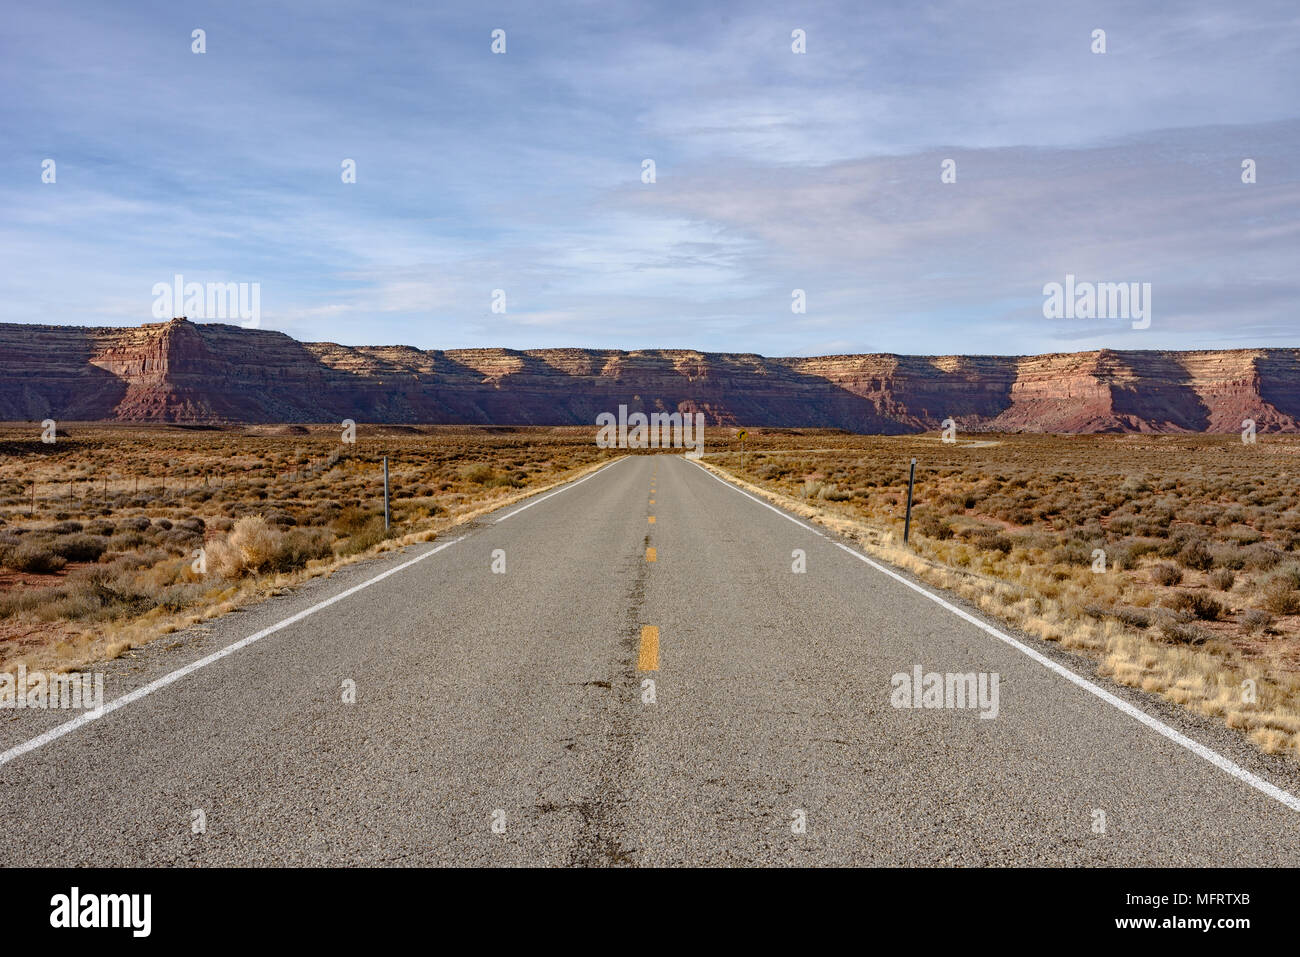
<point x="775" y="171"/>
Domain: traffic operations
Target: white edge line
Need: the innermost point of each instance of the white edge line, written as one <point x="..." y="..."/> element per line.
<point x="784" y="515"/>
<point x="563" y="488"/>
<point x="1200" y="750"/>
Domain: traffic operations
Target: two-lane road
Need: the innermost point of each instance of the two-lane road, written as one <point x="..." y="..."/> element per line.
<point x="502" y="715"/>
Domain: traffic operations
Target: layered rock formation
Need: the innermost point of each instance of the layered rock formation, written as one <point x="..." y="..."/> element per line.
<point x="180" y="371"/>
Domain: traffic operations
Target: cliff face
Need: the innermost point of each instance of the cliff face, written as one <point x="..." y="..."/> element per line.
<point x="182" y="372"/>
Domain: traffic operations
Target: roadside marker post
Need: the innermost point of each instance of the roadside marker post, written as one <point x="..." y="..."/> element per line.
<point x="907" y="521"/>
<point x="385" y="493"/>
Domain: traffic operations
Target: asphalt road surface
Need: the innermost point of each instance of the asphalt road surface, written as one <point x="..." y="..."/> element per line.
<point x="503" y="718"/>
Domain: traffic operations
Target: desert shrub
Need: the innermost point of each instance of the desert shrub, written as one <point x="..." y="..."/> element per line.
<point x="1133" y="617"/>
<point x="352" y="520"/>
<point x="139" y="523"/>
<point x="990" y="539"/>
<point x="96" y="593"/>
<point x="1019" y="516"/>
<point x="301" y="545"/>
<point x="1195" y="554"/>
<point x="1074" y="551"/>
<point x="1037" y="538"/>
<point x="36" y="558"/>
<point x="480" y="474"/>
<point x="66" y="528"/>
<point x="933" y="526"/>
<point x="1229" y="557"/>
<point x="1280" y="597"/>
<point x="1197" y="604"/>
<point x="1134" y="485"/>
<point x="179" y="539"/>
<point x="180" y="596"/>
<point x="117" y="562"/>
<point x="958" y="501"/>
<point x="1222" y="579"/>
<point x="1262" y="557"/>
<point x="1290" y="573"/>
<point x="126" y="541"/>
<point x="1130" y="550"/>
<point x="80" y="548"/>
<point x="1123" y="525"/>
<point x="1170" y="547"/>
<point x="1256" y="621"/>
<point x="1165" y="574"/>
<point x="368" y="537"/>
<point x="1175" y="632"/>
<point x="251" y="546"/>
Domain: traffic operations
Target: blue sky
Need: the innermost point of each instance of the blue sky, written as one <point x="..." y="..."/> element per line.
<point x="775" y="170"/>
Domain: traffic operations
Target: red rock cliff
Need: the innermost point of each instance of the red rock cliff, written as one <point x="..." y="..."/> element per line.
<point x="185" y="372"/>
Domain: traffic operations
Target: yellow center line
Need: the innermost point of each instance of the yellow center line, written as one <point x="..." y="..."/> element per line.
<point x="652" y="501"/>
<point x="651" y="555"/>
<point x="648" y="659"/>
<point x="652" y="519"/>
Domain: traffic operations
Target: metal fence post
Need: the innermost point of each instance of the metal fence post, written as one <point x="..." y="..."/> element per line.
<point x="907" y="522"/>
<point x="385" y="493"/>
